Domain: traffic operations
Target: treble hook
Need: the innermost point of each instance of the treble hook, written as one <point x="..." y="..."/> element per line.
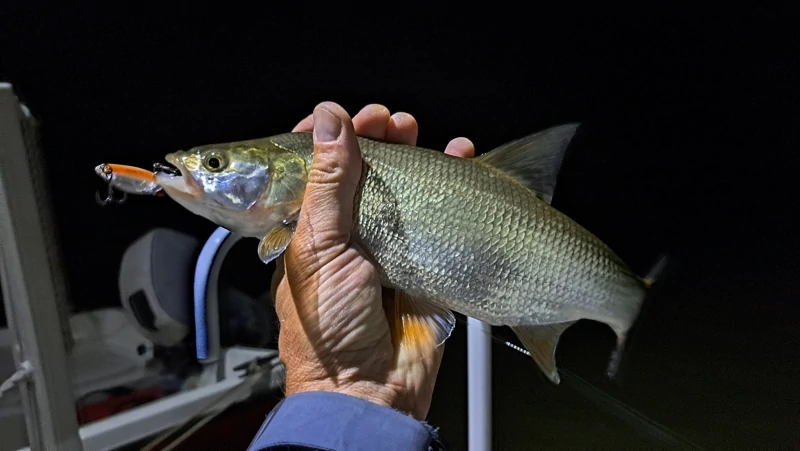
<point x="110" y="197"/>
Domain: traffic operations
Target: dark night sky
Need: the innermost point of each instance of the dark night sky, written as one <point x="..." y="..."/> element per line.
<point x="689" y="145"/>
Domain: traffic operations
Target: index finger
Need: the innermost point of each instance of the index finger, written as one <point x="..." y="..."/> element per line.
<point x="306" y="125"/>
<point x="460" y="147"/>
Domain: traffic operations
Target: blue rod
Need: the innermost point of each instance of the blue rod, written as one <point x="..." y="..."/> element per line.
<point x="201" y="272"/>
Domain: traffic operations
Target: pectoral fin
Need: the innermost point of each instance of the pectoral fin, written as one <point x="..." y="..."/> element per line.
<point x="276" y="241"/>
<point x="541" y="342"/>
<point x="420" y="325"/>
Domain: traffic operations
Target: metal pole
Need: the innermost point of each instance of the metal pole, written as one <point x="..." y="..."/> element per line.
<point x="479" y="385"/>
<point x="30" y="280"/>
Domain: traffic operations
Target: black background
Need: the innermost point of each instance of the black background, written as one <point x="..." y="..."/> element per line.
<point x="689" y="146"/>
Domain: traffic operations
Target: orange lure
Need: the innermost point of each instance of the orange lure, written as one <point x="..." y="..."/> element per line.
<point x="128" y="179"/>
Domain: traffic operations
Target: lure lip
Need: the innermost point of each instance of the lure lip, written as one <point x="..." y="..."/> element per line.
<point x="103" y="170"/>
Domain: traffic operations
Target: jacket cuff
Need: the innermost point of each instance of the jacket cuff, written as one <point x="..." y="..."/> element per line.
<point x="335" y="421"/>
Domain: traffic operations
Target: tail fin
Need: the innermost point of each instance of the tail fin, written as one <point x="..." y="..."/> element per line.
<point x="655" y="272"/>
<point x="653" y="275"/>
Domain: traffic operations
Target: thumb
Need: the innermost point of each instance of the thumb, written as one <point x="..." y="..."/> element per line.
<point x="327" y="213"/>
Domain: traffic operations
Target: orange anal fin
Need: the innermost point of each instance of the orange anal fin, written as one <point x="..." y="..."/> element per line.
<point x="419" y="326"/>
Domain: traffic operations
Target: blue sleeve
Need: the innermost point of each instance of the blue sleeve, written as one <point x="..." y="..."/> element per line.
<point x="334" y="421"/>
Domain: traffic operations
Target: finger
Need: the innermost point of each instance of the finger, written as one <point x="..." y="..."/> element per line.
<point x="460" y="147"/>
<point x="371" y="121"/>
<point x="327" y="214"/>
<point x="402" y="129"/>
<point x="306" y="125"/>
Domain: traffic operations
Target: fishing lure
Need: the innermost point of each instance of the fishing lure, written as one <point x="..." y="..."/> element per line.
<point x="128" y="179"/>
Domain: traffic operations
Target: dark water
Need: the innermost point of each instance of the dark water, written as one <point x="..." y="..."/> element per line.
<point x="689" y="146"/>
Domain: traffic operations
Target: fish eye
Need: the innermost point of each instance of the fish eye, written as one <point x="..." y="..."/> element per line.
<point x="214" y="163"/>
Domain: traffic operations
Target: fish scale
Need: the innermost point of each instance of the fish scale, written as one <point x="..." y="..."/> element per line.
<point x="514" y="238"/>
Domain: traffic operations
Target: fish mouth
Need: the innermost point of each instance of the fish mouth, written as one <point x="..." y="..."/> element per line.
<point x="176" y="179"/>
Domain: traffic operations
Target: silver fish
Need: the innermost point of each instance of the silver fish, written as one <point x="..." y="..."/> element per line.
<point x="477" y="236"/>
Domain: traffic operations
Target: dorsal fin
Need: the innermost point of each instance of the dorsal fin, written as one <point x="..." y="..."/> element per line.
<point x="534" y="160"/>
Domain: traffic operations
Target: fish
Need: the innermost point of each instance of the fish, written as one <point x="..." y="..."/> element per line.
<point x="477" y="236"/>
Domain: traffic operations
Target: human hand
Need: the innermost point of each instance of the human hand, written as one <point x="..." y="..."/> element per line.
<point x="335" y="333"/>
